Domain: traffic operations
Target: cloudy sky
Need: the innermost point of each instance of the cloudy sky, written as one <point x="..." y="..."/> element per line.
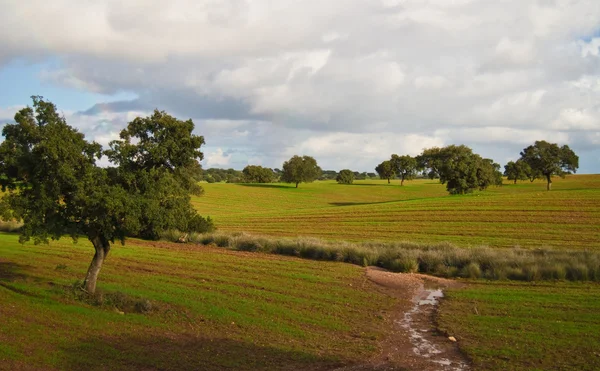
<point x="346" y="81"/>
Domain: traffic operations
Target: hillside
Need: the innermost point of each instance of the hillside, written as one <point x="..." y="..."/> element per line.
<point x="523" y="215"/>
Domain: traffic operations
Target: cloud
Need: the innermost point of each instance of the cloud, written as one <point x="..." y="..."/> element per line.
<point x="217" y="159"/>
<point x="348" y="81"/>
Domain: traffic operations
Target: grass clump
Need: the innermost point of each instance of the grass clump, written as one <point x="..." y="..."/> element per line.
<point x="118" y="301"/>
<point x="442" y="259"/>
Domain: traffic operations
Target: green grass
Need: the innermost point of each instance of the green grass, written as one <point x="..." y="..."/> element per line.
<point x="519" y="326"/>
<point x="216" y="310"/>
<point x="525" y="214"/>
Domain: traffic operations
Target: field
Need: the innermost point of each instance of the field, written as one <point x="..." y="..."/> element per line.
<point x="212" y="310"/>
<point x="525" y="214"/>
<point x="521" y="326"/>
<point x="174" y="306"/>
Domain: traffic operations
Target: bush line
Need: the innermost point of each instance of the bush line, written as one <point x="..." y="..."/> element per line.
<point x="441" y="259"/>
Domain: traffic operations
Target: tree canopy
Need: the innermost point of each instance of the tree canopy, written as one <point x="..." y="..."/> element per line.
<point x="548" y="160"/>
<point x="258" y="174"/>
<point x="300" y="170"/>
<point x="518" y="170"/>
<point x="385" y="170"/>
<point x="460" y="169"/>
<point x="345" y="176"/>
<point x="56" y="188"/>
<point x="404" y="166"/>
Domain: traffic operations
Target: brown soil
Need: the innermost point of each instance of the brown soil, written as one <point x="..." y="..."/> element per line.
<point x="400" y="350"/>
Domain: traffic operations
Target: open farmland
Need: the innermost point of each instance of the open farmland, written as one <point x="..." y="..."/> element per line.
<point x="525" y="326"/>
<point x="525" y="214"/>
<point x="213" y="310"/>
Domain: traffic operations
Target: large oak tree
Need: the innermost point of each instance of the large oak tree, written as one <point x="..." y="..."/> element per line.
<point x="55" y="187"/>
<point x="548" y="160"/>
<point x="300" y="170"/>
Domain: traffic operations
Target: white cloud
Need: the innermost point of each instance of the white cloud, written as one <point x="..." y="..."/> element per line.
<point x="217" y="159"/>
<point x="268" y="78"/>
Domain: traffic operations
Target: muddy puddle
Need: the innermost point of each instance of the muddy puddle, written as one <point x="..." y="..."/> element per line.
<point x="417" y="324"/>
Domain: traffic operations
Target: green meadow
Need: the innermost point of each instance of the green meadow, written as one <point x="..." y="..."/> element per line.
<point x="208" y="309"/>
<point x="525" y="326"/>
<point x="184" y="306"/>
<point x="522" y="214"/>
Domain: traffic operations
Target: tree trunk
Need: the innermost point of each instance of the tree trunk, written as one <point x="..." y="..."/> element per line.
<point x="515" y="181"/>
<point x="402" y="181"/>
<point x="102" y="248"/>
<point x="549" y="187"/>
<point x="388" y="180"/>
<point x="297" y="184"/>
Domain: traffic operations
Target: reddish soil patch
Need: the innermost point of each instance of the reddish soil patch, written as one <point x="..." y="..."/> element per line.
<point x="413" y="342"/>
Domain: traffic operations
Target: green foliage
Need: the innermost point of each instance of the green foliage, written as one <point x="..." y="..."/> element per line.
<point x="460" y="169"/>
<point x="404" y="166"/>
<point x="345" y="176"/>
<point x="56" y="189"/>
<point x="300" y="170"/>
<point x="431" y="161"/>
<point x="518" y="170"/>
<point x="548" y="160"/>
<point x="385" y="170"/>
<point x="213" y="175"/>
<point x="258" y="174"/>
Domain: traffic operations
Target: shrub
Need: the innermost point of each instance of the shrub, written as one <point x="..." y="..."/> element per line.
<point x="443" y="259"/>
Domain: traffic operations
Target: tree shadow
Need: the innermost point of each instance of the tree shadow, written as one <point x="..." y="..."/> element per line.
<point x="185" y="352"/>
<point x="10" y="272"/>
<point x="263" y="185"/>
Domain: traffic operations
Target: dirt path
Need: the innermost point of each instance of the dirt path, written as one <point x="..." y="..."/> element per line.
<point x="413" y="343"/>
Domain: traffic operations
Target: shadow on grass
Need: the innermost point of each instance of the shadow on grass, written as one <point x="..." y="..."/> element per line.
<point x="362" y="203"/>
<point x="185" y="352"/>
<point x="261" y="185"/>
<point x="10" y="272"/>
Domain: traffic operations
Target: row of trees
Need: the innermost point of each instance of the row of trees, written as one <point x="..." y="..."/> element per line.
<point x="458" y="167"/>
<point x="464" y="171"/>
<point x="461" y="170"/>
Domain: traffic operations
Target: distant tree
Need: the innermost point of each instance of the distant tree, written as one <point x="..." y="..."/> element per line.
<point x="385" y="170"/>
<point x="548" y="160"/>
<point x="300" y="170"/>
<point x="462" y="170"/>
<point x="405" y="167"/>
<point x="218" y="175"/>
<point x="518" y="170"/>
<point x="345" y="176"/>
<point x="258" y="174"/>
<point x="328" y="175"/>
<point x="54" y="186"/>
<point x="360" y="176"/>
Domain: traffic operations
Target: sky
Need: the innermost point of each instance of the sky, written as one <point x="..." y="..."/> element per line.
<point x="348" y="82"/>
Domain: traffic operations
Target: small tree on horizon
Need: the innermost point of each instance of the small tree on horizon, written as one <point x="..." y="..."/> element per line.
<point x="548" y="160"/>
<point x="258" y="174"/>
<point x="300" y="170"/>
<point x="345" y="176"/>
<point x="405" y="167"/>
<point x="517" y="170"/>
<point x="385" y="170"/>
